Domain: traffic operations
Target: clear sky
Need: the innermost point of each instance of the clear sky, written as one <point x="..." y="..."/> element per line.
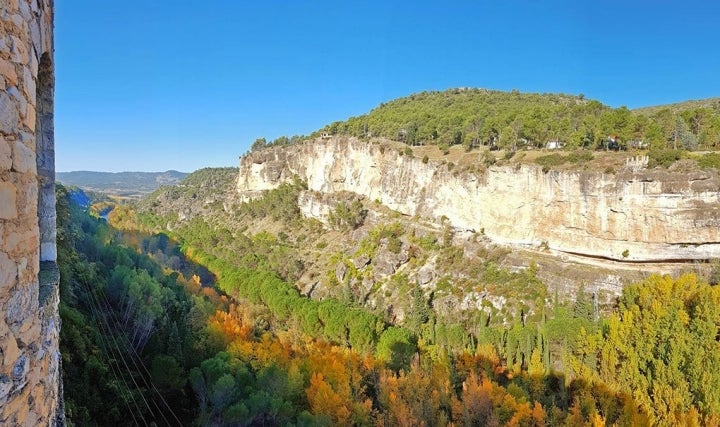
<point x="149" y="85"/>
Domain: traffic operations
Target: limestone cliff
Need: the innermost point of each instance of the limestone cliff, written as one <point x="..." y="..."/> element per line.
<point x="633" y="215"/>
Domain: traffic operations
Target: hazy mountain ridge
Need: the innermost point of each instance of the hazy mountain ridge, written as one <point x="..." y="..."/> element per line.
<point x="125" y="184"/>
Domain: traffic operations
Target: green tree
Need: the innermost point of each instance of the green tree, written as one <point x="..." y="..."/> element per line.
<point x="420" y="310"/>
<point x="258" y="144"/>
<point x="396" y="347"/>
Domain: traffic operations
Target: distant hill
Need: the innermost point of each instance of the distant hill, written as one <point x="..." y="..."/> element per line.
<point x="474" y="117"/>
<point x="201" y="192"/>
<point x="122" y="184"/>
<point x="679" y="107"/>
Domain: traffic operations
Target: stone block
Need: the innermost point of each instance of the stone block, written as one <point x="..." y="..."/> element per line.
<point x="20" y="370"/>
<point x="25" y="10"/>
<point x="15" y="411"/>
<point x="10" y="5"/>
<point x="29" y="333"/>
<point x="19" y="310"/>
<point x="10" y="238"/>
<point x="39" y="392"/>
<point x="8" y="271"/>
<point x="11" y="353"/>
<point x="33" y="419"/>
<point x="21" y="101"/>
<point x="8" y="201"/>
<point x="29" y="85"/>
<point x="20" y="240"/>
<point x="23" y="158"/>
<point x="49" y="251"/>
<point x="7" y="70"/>
<point x="30" y="117"/>
<point x="5" y="155"/>
<point x="18" y="51"/>
<point x="18" y="22"/>
<point x="5" y="387"/>
<point x="34" y="60"/>
<point x="35" y="34"/>
<point x="30" y="196"/>
<point x="9" y="115"/>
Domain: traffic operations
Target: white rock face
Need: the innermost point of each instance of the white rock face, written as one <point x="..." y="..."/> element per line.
<point x="632" y="216"/>
<point x="312" y="206"/>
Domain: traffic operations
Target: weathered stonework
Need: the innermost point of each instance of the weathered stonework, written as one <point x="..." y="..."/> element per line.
<point x="632" y="216"/>
<point x="29" y="320"/>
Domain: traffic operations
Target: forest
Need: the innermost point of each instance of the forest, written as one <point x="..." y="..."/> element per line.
<point x="203" y="326"/>
<point x="514" y="120"/>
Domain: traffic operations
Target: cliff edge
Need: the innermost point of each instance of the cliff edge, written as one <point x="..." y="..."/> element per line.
<point x="634" y="215"/>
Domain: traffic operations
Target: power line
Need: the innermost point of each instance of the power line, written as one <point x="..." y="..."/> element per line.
<point x="108" y="352"/>
<point x="127" y="367"/>
<point x="135" y="357"/>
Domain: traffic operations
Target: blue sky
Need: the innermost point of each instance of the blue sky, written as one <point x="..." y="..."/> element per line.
<point x="149" y="85"/>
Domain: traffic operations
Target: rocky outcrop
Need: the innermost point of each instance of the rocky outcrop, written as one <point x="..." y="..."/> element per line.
<point x="633" y="216"/>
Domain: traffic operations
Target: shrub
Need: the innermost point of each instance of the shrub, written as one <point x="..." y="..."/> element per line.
<point x="579" y="156"/>
<point x="488" y="159"/>
<point x="396" y="347"/>
<point x="664" y="158"/>
<point x="710" y="160"/>
<point x="549" y="161"/>
<point x="394" y="245"/>
<point x="347" y="216"/>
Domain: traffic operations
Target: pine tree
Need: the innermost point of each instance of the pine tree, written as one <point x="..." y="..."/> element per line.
<point x="420" y="310"/>
<point x="583" y="308"/>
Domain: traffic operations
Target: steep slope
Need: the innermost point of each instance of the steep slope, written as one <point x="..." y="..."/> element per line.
<point x="197" y="194"/>
<point x="476" y="308"/>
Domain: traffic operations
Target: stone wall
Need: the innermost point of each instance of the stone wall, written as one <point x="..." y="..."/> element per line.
<point x="634" y="215"/>
<point x="29" y="321"/>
